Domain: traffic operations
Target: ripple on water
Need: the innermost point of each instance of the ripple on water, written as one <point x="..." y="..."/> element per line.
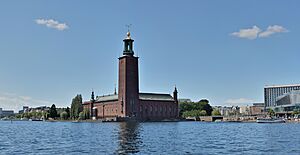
<point x="148" y="138"/>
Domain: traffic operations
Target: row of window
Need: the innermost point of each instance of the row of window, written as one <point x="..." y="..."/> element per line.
<point x="156" y="109"/>
<point x="271" y="94"/>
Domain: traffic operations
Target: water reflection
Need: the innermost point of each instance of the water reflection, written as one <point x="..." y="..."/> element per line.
<point x="129" y="138"/>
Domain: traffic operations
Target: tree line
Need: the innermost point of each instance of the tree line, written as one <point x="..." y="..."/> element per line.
<point x="196" y="109"/>
<point x="74" y="113"/>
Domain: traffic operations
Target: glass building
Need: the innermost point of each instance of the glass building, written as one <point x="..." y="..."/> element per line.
<point x="271" y="93"/>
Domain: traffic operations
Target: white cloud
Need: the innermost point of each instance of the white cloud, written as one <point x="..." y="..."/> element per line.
<point x="51" y="23"/>
<point x="239" y="101"/>
<point x="256" y="32"/>
<point x="9" y="101"/>
<point x="272" y="30"/>
<point x="250" y="33"/>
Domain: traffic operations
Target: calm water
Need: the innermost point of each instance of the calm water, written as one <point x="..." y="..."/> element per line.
<point x="148" y="138"/>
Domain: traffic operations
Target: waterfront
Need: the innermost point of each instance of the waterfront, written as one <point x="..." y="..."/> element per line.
<point x="148" y="138"/>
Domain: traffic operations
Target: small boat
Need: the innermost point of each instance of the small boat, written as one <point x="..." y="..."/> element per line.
<point x="270" y="120"/>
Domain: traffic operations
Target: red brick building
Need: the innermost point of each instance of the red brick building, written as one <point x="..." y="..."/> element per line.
<point x="129" y="103"/>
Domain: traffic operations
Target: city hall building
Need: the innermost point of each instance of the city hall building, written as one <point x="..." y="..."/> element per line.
<point x="129" y="103"/>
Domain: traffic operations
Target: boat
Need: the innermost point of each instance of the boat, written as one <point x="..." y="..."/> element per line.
<point x="270" y="120"/>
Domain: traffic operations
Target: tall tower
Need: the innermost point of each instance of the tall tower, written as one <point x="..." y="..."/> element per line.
<point x="175" y="96"/>
<point x="128" y="93"/>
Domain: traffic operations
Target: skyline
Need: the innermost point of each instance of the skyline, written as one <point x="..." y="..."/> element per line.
<point x="225" y="53"/>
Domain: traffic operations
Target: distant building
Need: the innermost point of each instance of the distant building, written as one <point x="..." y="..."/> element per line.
<point x="36" y="109"/>
<point x="228" y="111"/>
<point x="257" y="109"/>
<point x="184" y="100"/>
<point x="288" y="102"/>
<point x="24" y="110"/>
<point x="245" y="110"/>
<point x="259" y="104"/>
<point x="4" y="113"/>
<point x="272" y="92"/>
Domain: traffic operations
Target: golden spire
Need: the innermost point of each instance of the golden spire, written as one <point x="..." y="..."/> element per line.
<point x="128" y="35"/>
<point x="128" y="31"/>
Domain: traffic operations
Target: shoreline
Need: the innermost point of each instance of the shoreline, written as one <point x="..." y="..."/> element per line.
<point x="166" y="121"/>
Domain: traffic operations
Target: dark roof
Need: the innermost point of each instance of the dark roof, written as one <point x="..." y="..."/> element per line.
<point x="104" y="98"/>
<point x="142" y="96"/>
<point x="155" y="96"/>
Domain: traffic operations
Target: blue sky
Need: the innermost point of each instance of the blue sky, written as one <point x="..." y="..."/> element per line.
<point x="225" y="51"/>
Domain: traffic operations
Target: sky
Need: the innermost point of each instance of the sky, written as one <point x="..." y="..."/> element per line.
<point x="223" y="51"/>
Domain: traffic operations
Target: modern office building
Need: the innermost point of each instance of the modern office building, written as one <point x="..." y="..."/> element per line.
<point x="288" y="103"/>
<point x="272" y="92"/>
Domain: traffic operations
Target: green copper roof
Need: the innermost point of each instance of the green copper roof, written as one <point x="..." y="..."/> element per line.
<point x="107" y="98"/>
<point x="157" y="97"/>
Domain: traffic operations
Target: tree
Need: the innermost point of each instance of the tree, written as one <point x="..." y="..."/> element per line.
<point x="68" y="111"/>
<point x="64" y="115"/>
<point x="76" y="107"/>
<point x="185" y="106"/>
<point x="45" y="115"/>
<point x="202" y="113"/>
<point x="193" y="109"/>
<point x="81" y="115"/>
<point x="52" y="111"/>
<point x="271" y="112"/>
<point x="86" y="113"/>
<point x="204" y="105"/>
<point x="216" y="112"/>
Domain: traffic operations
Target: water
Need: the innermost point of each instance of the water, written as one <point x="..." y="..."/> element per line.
<point x="148" y="138"/>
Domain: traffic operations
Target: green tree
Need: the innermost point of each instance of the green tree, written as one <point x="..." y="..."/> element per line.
<point x="193" y="108"/>
<point x="76" y="107"/>
<point x="81" y="115"/>
<point x="271" y="112"/>
<point x="45" y="115"/>
<point x="185" y="106"/>
<point x="216" y="112"/>
<point x="68" y="112"/>
<point x="52" y="111"/>
<point x="86" y="113"/>
<point x="64" y="115"/>
<point x="194" y="113"/>
<point x="19" y="116"/>
<point x="204" y="105"/>
<point x="202" y="113"/>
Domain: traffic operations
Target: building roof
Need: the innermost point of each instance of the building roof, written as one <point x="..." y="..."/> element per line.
<point x="156" y="97"/>
<point x="142" y="96"/>
<point x="104" y="98"/>
<point x="259" y="104"/>
<point x="184" y="100"/>
<point x="278" y="86"/>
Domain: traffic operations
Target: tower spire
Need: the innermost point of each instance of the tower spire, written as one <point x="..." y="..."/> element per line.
<point x="115" y="90"/>
<point x="128" y="43"/>
<point x="92" y="96"/>
<point x="175" y="94"/>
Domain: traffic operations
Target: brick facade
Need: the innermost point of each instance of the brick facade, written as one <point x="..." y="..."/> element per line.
<point x="129" y="103"/>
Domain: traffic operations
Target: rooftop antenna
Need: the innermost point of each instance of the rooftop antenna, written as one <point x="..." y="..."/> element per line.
<point x="115" y="89"/>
